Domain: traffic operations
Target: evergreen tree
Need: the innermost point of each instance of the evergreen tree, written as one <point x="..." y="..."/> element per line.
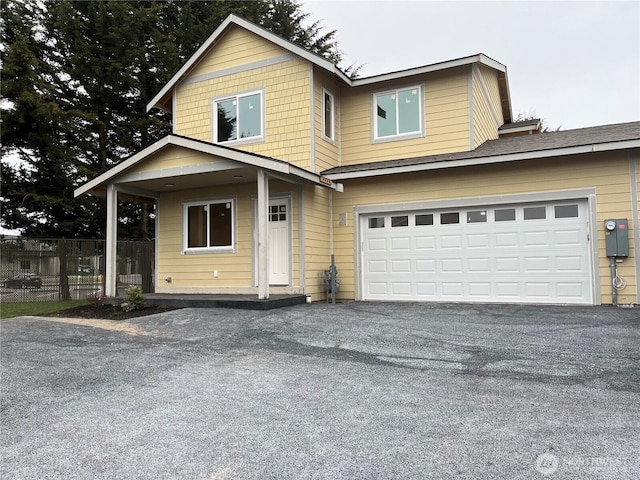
<point x="76" y="78"/>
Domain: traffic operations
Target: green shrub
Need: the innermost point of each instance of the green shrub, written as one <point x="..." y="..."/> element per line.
<point x="133" y="299"/>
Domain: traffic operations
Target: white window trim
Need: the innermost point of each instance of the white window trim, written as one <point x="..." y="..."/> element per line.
<point x="185" y="227"/>
<point x="237" y="96"/>
<point x="399" y="136"/>
<point x="332" y="138"/>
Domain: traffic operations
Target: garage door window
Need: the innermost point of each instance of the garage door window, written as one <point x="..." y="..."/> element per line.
<point x="477" y="216"/>
<point x="535" y="213"/>
<point x="566" y="211"/>
<point x="505" y="214"/>
<point x="401" y="221"/>
<point x="376" y="222"/>
<point x="425" y="219"/>
<point x="449" y="218"/>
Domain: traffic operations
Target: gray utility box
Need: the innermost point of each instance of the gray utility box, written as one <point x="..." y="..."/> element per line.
<point x="616" y="237"/>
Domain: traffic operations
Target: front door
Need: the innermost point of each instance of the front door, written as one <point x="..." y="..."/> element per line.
<point x="279" y="241"/>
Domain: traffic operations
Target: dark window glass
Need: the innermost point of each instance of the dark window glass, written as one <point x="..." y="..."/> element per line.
<point x="402" y="221"/>
<point x="535" y="213"/>
<point x="328" y="115"/>
<point x="505" y="214"/>
<point x="424" y="219"/>
<point x="197" y="231"/>
<point x="477" y="216"/>
<point x="566" y="211"/>
<point x="449" y="218"/>
<point x="376" y="222"/>
<point x="220" y="224"/>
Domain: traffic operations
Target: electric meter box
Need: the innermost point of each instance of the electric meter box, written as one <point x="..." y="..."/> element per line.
<point x="616" y="237"/>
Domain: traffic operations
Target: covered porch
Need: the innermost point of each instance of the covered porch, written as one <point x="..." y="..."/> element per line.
<point x="215" y="215"/>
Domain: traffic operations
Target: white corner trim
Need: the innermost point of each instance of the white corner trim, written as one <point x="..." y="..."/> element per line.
<point x="486" y="94"/>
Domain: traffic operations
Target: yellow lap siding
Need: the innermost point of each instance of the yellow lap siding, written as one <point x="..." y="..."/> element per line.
<point x="607" y="173"/>
<point x="446" y="120"/>
<point x="317" y="239"/>
<point x="286" y="88"/>
<point x="235" y="270"/>
<point x="235" y="48"/>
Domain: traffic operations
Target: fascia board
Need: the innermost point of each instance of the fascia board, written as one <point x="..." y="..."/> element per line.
<point x="556" y="152"/>
<point x="480" y="58"/>
<point x="121" y="167"/>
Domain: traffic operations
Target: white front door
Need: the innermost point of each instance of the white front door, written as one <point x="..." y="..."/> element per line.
<point x="279" y="216"/>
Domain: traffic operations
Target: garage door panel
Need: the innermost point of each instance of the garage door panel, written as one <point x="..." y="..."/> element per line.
<point x="426" y="242"/>
<point x="450" y="241"/>
<point x="478" y="240"/>
<point x="400" y="244"/>
<point x="569" y="264"/>
<point x="377" y="244"/>
<point x="573" y="237"/>
<point x="479" y="265"/>
<point x="536" y="239"/>
<point x="496" y="256"/>
<point x="400" y="266"/>
<point x="377" y="266"/>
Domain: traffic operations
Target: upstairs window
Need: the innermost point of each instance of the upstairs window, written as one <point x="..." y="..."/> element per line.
<point x="238" y="118"/>
<point x="209" y="226"/>
<point x="398" y="113"/>
<point x="327" y="115"/>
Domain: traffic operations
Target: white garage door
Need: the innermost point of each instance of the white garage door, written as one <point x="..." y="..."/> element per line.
<point x="536" y="252"/>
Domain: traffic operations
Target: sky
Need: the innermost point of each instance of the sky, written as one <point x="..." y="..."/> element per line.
<point x="572" y="63"/>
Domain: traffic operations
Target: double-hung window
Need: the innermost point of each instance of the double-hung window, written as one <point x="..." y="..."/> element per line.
<point x="398" y="113"/>
<point x="238" y="117"/>
<point x="209" y="226"/>
<point x="327" y="115"/>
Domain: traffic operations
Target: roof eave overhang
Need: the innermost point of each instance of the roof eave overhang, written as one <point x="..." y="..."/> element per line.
<point x="459" y="62"/>
<point x="279" y="167"/>
<point x="466" y="162"/>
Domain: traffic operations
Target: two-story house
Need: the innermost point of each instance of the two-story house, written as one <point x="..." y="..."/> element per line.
<point x="416" y="181"/>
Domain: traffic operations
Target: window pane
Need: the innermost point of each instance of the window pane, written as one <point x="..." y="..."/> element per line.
<point x="477" y="216"/>
<point x="197" y="228"/>
<point x="535" y="213"/>
<point x="220" y="224"/>
<point x="250" y="116"/>
<point x="227" y="120"/>
<point x="505" y="214"/>
<point x="376" y="222"/>
<point x="328" y="116"/>
<point x="426" y="219"/>
<point x="402" y="221"/>
<point x="566" y="211"/>
<point x="409" y="110"/>
<point x="448" y="218"/>
<point x="386" y="114"/>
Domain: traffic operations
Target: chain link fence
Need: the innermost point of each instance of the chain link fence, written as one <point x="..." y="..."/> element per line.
<point x="58" y="269"/>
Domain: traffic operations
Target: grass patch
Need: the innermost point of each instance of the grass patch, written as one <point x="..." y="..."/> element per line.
<point x="18" y="309"/>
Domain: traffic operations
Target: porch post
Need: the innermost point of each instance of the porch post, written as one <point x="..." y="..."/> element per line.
<point x="263" y="234"/>
<point x="111" y="241"/>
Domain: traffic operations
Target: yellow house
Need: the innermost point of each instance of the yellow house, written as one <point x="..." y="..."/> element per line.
<point x="418" y="182"/>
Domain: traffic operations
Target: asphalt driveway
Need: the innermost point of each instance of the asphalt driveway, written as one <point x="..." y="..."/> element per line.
<point x="351" y="391"/>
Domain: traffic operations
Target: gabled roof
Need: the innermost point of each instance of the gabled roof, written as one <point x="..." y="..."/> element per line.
<point x="245" y="158"/>
<point x="165" y="93"/>
<point x="235" y="20"/>
<point x="527" y="147"/>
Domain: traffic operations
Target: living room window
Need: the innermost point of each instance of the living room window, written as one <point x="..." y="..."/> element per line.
<point x="209" y="226"/>
<point x="238" y="118"/>
<point x="398" y="114"/>
<point x="328" y="115"/>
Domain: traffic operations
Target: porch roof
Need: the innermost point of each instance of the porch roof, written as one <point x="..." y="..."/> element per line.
<point x="227" y="165"/>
